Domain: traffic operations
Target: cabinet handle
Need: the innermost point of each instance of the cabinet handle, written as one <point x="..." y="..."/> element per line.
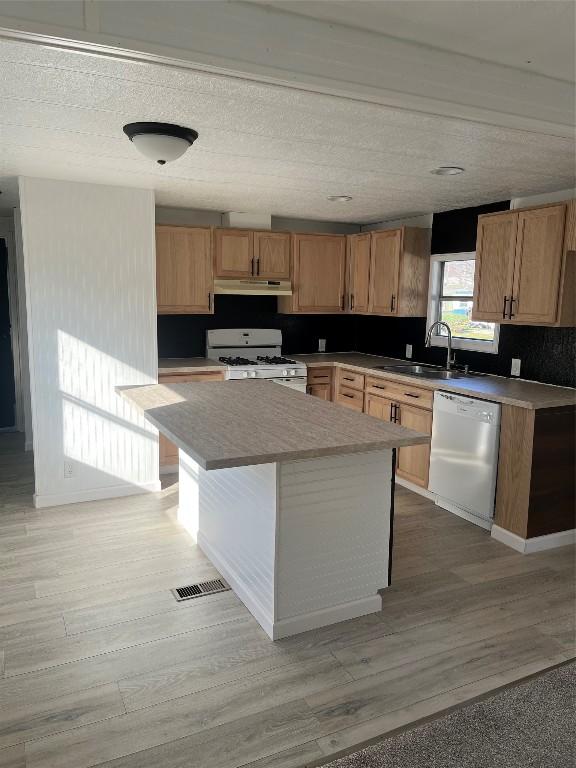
<point x="411" y="394"/>
<point x="351" y="301"/>
<point x="346" y="395"/>
<point x="209" y="301"/>
<point x="346" y="378"/>
<point x="391" y="411"/>
<point x="511" y="314"/>
<point x="257" y="266"/>
<point x="392" y="303"/>
<point x="342" y="304"/>
<point x="253" y="272"/>
<point x="378" y="386"/>
<point x="396" y="413"/>
<point x="504" y="307"/>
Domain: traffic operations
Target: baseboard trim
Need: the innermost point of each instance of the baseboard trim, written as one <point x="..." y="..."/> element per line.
<point x="415" y="488"/>
<point x="42" y="501"/>
<point x="333" y="615"/>
<point x="169" y="469"/>
<point x="481" y="522"/>
<point x="536" y="543"/>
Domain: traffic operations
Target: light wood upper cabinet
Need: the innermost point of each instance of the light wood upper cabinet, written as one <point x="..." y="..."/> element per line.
<point x="385" y="271"/>
<point x="319" y="270"/>
<point x="184" y="279"/>
<point x="538" y="264"/>
<point x="272" y="255"/>
<point x="358" y="272"/>
<point x="233" y="253"/>
<point x="495" y="252"/>
<point x="524" y="271"/>
<point x="399" y="272"/>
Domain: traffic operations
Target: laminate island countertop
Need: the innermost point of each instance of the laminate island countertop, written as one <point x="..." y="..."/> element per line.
<point x="241" y="423"/>
<point x="518" y="392"/>
<point x="188" y="365"/>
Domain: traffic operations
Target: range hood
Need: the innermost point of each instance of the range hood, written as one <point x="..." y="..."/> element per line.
<point x="254" y="287"/>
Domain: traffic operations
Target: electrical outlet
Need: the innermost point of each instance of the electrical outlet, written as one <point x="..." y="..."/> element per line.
<point x="321" y="345"/>
<point x="68" y="468"/>
<point x="515" y="368"/>
<point x="409" y="351"/>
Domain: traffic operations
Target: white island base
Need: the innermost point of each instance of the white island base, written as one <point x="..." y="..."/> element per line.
<point x="302" y="543"/>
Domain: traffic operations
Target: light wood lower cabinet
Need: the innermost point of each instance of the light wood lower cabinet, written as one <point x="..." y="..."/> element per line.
<point x="320" y="382"/>
<point x="349" y="389"/>
<point x="168" y="451"/>
<point x="323" y="391"/>
<point x="412" y="463"/>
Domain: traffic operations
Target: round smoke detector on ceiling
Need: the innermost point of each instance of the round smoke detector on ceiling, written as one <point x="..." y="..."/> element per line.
<point x="161" y="142"/>
<point x="447" y="170"/>
<point x="339" y="198"/>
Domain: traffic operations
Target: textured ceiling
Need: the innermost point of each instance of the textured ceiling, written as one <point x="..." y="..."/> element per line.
<point x="261" y="147"/>
<point x="534" y="36"/>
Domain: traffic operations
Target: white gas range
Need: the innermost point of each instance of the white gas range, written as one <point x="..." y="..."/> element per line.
<point x="255" y="353"/>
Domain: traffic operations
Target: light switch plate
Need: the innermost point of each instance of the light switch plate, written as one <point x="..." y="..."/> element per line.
<point x="321" y="345"/>
<point x="515" y="368"/>
<point x="409" y="351"/>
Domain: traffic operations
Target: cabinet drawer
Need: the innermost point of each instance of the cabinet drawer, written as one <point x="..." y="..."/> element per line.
<point x="319" y="375"/>
<point x="402" y="393"/>
<point x="185" y="378"/>
<point x="350" y="379"/>
<point x="351" y="398"/>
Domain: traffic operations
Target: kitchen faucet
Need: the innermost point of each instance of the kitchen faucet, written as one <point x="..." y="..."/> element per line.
<point x="438" y="324"/>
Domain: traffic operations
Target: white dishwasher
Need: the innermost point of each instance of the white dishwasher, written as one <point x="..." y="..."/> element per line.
<point x="464" y="456"/>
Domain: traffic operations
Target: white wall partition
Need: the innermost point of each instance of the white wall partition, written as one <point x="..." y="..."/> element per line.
<point x="89" y="264"/>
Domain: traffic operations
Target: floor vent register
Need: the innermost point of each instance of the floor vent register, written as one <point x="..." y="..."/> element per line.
<point x="200" y="590"/>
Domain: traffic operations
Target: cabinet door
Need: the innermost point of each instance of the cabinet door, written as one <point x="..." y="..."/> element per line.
<point x="358" y="272"/>
<point x="538" y="264"/>
<point x="272" y="255"/>
<point x="234" y="252"/>
<point x="379" y="407"/>
<point x="495" y="250"/>
<point x="414" y="462"/>
<point x="385" y="271"/>
<point x="319" y="273"/>
<point x="320" y="390"/>
<point x="184" y="279"/>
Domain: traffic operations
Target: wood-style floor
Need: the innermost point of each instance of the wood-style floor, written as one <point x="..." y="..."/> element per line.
<point x="101" y="667"/>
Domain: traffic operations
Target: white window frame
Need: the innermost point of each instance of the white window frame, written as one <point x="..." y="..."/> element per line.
<point x="434" y="289"/>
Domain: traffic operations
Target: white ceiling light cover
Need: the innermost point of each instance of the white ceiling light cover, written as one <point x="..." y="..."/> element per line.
<point x="160" y="148"/>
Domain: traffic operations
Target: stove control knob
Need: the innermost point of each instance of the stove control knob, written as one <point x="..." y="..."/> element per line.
<point x="244" y="374"/>
<point x="253" y="374"/>
<point x="284" y="373"/>
<point x="293" y="372"/>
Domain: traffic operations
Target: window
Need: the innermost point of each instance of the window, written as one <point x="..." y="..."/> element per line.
<point x="450" y="300"/>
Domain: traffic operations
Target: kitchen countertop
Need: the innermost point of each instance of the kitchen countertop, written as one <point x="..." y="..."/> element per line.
<point x="518" y="392"/>
<point x="188" y="365"/>
<point x="240" y="423"/>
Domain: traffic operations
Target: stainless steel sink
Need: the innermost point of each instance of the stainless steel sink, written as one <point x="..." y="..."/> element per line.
<point x="422" y="371"/>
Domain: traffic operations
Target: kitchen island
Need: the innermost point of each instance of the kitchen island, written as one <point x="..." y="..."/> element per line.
<point x="289" y="497"/>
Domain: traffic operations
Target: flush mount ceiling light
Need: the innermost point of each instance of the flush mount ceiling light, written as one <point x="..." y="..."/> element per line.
<point x="161" y="142"/>
<point x="447" y="170"/>
<point x="339" y="198"/>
